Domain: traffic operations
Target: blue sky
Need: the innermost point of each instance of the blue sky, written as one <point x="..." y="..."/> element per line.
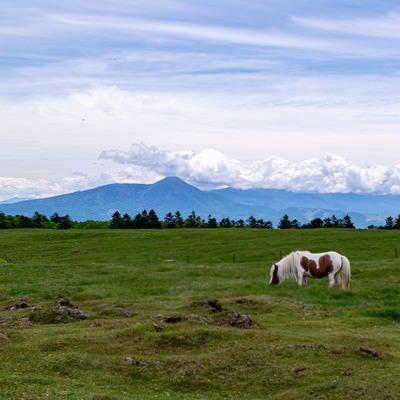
<point x="299" y="95"/>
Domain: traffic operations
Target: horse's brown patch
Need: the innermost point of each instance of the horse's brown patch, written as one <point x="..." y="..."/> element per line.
<point x="321" y="270"/>
<point x="275" y="276"/>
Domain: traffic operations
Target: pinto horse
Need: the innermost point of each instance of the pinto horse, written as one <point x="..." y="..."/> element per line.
<point x="303" y="264"/>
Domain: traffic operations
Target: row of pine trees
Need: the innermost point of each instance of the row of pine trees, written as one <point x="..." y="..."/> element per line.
<point x="150" y="220"/>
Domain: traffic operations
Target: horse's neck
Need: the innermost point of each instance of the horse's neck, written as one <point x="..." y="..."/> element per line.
<point x="289" y="265"/>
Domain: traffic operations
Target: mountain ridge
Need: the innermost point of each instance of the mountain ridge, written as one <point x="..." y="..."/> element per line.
<point x="172" y="194"/>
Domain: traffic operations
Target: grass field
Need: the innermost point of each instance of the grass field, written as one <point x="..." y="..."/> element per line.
<point x="164" y="308"/>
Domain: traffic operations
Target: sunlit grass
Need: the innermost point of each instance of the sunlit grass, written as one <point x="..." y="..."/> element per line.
<point x="305" y="342"/>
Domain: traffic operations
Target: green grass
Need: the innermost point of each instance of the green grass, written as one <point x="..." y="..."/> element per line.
<point x="306" y="343"/>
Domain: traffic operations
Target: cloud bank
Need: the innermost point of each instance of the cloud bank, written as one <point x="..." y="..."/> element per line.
<point x="210" y="169"/>
<point x="328" y="174"/>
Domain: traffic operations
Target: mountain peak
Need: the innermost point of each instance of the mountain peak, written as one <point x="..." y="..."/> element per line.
<point x="170" y="180"/>
<point x="174" y="183"/>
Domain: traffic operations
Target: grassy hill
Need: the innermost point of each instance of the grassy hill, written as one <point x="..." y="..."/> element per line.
<point x="186" y="314"/>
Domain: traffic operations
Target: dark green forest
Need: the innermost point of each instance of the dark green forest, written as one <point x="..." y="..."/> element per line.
<point x="150" y="220"/>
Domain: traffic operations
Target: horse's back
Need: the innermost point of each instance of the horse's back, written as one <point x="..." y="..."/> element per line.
<point x="333" y="255"/>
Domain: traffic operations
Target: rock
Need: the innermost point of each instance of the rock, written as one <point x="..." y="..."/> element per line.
<point x="18" y="306"/>
<point x="371" y="352"/>
<point x="135" y="362"/>
<point x="78" y="314"/>
<point x="157" y="328"/>
<point x="298" y="370"/>
<point x="239" y="320"/>
<point x="215" y="305"/>
<point x="174" y="319"/>
<point x="66" y="303"/>
<point x="158" y="317"/>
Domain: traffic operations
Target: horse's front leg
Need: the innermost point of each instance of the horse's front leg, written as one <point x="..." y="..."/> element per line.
<point x="301" y="279"/>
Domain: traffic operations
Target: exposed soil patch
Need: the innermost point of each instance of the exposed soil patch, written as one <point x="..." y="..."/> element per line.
<point x="244" y="301"/>
<point x="213" y="305"/>
<point x="371" y="352"/>
<point x="174" y="319"/>
<point x="298" y="370"/>
<point x="237" y="320"/>
<point x="136" y="362"/>
<point x="18" y="306"/>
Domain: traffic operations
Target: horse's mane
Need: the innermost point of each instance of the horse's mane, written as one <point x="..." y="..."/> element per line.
<point x="287" y="267"/>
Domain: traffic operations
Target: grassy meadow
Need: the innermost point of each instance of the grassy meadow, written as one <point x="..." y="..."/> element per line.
<point x="162" y="308"/>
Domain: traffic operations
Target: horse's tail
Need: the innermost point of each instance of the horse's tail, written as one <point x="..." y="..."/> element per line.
<point x="345" y="273"/>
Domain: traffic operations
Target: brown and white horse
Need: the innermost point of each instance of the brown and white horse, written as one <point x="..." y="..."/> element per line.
<point x="303" y="264"/>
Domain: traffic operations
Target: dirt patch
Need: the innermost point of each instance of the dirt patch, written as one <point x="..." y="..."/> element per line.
<point x="371" y="352"/>
<point x="135" y="362"/>
<point x="17" y="306"/>
<point x="213" y="305"/>
<point x="174" y="319"/>
<point x="244" y="301"/>
<point x="237" y="320"/>
<point x="298" y="370"/>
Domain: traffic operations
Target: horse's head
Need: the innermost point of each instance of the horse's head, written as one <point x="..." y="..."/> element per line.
<point x="274" y="275"/>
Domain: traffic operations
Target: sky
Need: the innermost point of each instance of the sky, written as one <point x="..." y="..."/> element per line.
<point x="299" y="95"/>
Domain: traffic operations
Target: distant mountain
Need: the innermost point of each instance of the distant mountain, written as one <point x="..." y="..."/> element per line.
<point x="168" y="195"/>
<point x="173" y="194"/>
<point x="12" y="200"/>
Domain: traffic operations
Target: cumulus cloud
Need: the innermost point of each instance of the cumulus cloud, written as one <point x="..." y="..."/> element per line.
<point x="30" y="188"/>
<point x="211" y="169"/>
<point x="328" y="174"/>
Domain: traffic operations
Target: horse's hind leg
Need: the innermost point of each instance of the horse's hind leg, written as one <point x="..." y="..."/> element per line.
<point x="331" y="278"/>
<point x="338" y="279"/>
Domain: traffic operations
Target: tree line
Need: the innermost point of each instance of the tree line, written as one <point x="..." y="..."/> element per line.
<point x="150" y="220"/>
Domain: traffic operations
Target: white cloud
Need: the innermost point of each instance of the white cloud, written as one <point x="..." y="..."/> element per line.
<point x="11" y="187"/>
<point x="63" y="134"/>
<point x="210" y="168"/>
<point x="328" y="174"/>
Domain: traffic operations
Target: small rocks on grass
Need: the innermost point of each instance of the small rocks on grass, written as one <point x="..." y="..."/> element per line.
<point x="135" y="362"/>
<point x="239" y="320"/>
<point x="298" y="370"/>
<point x="64" y="311"/>
<point x="78" y="314"/>
<point x="18" y="306"/>
<point x="125" y="313"/>
<point x="371" y="352"/>
<point x="66" y="303"/>
<point x="157" y="327"/>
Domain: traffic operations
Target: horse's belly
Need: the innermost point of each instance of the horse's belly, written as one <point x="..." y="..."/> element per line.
<point x="316" y="273"/>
